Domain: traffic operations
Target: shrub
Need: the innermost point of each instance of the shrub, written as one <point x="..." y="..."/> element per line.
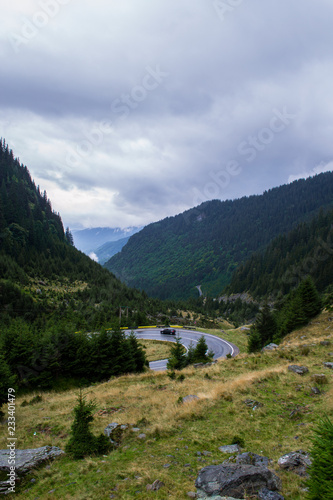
<point x="320" y="482"/>
<point x="82" y="442"/>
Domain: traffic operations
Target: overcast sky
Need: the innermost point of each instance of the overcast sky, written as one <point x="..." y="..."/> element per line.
<point x="130" y="111"/>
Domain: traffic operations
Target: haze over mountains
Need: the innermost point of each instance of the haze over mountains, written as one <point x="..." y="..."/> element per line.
<point x="101" y="243"/>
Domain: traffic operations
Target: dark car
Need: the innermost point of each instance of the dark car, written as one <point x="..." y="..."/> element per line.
<point x="168" y="331"/>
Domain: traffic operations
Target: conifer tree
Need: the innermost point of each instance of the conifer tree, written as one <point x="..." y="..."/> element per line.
<point x="177" y="360"/>
<point x="320" y="482"/>
<point x="82" y="441"/>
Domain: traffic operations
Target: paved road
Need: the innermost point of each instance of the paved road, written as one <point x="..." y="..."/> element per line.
<point x="220" y="347"/>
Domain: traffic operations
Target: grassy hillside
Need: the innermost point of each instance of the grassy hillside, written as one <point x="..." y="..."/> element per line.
<point x="177" y="432"/>
<point x="204" y="245"/>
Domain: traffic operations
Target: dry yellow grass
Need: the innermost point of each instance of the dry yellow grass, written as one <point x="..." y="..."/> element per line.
<point x="151" y="401"/>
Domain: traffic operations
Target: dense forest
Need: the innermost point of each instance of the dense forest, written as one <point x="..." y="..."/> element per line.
<point x="51" y="294"/>
<point x="204" y="245"/>
<point x="305" y="251"/>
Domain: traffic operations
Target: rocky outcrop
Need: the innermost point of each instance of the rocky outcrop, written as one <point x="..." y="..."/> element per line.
<point x="114" y="432"/>
<point x="296" y="461"/>
<point x="300" y="370"/>
<point x="270" y="347"/>
<point x="24" y="461"/>
<point x="235" y="480"/>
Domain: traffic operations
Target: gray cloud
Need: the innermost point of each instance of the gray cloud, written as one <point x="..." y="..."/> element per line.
<point x="128" y="112"/>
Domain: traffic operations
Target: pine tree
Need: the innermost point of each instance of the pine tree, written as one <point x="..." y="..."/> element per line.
<point x="311" y="303"/>
<point x="177" y="360"/>
<point x="320" y="482"/>
<point x="201" y="351"/>
<point x="82" y="441"/>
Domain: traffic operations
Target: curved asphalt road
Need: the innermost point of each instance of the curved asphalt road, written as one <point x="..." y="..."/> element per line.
<point x="220" y="347"/>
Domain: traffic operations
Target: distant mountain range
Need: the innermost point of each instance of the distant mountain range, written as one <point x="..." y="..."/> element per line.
<point x="95" y="240"/>
<point x="205" y="245"/>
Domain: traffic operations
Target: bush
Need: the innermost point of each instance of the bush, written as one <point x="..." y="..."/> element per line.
<point x="320" y="482"/>
<point x="82" y="442"/>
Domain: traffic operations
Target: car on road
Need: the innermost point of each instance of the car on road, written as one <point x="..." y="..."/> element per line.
<point x="168" y="331"/>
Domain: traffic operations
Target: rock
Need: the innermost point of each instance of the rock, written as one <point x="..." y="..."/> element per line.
<point x="325" y="342"/>
<point x="157" y="485"/>
<point x="188" y="399"/>
<point x="329" y="365"/>
<point x="270" y="347"/>
<point x="114" y="432"/>
<point x="265" y="494"/>
<point x="192" y="494"/>
<point x="296" y="461"/>
<point x="231" y="448"/>
<point x="235" y="480"/>
<point x="249" y="458"/>
<point x="315" y="391"/>
<point x="142" y="436"/>
<point x="300" y="370"/>
<point x="25" y="460"/>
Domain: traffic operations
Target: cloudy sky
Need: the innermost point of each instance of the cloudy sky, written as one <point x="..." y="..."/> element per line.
<point x="128" y="112"/>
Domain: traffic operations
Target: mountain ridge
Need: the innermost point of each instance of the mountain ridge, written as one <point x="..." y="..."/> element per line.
<point x="205" y="244"/>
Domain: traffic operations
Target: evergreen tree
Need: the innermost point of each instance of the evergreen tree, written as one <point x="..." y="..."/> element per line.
<point x="82" y="441"/>
<point x="263" y="331"/>
<point x="177" y="360"/>
<point x="311" y="303"/>
<point x="320" y="482"/>
<point x="201" y="351"/>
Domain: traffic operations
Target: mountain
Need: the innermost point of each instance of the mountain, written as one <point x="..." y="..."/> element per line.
<point x="204" y="245"/>
<point x="290" y="258"/>
<point x="89" y="240"/>
<point x="44" y="279"/>
<point x="109" y="249"/>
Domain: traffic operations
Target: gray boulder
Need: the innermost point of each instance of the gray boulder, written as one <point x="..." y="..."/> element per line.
<point x="296" y="461"/>
<point x="265" y="494"/>
<point x="249" y="458"/>
<point x="25" y="461"/>
<point x="300" y="370"/>
<point x="235" y="480"/>
<point x="329" y="365"/>
<point x="270" y="347"/>
<point x="114" y="432"/>
<point x="231" y="448"/>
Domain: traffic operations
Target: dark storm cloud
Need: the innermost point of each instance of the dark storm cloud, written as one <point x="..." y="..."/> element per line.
<point x="133" y="111"/>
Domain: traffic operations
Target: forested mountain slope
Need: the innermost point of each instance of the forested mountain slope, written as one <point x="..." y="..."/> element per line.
<point x="206" y="244"/>
<point x="43" y="277"/>
<point x="305" y="251"/>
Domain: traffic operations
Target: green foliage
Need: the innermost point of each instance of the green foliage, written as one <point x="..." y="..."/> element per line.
<point x="82" y="442"/>
<point x="206" y="244"/>
<point x="320" y="482"/>
<point x="177" y="360"/>
<point x="295" y="311"/>
<point x="6" y="381"/>
<point x="289" y="259"/>
<point x="263" y="331"/>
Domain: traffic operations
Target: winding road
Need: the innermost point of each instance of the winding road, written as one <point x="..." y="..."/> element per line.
<point x="219" y="346"/>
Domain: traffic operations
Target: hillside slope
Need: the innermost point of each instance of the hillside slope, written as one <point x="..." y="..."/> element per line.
<point x="205" y="244"/>
<point x="44" y="279"/>
<point x="305" y="251"/>
<point x="251" y="399"/>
